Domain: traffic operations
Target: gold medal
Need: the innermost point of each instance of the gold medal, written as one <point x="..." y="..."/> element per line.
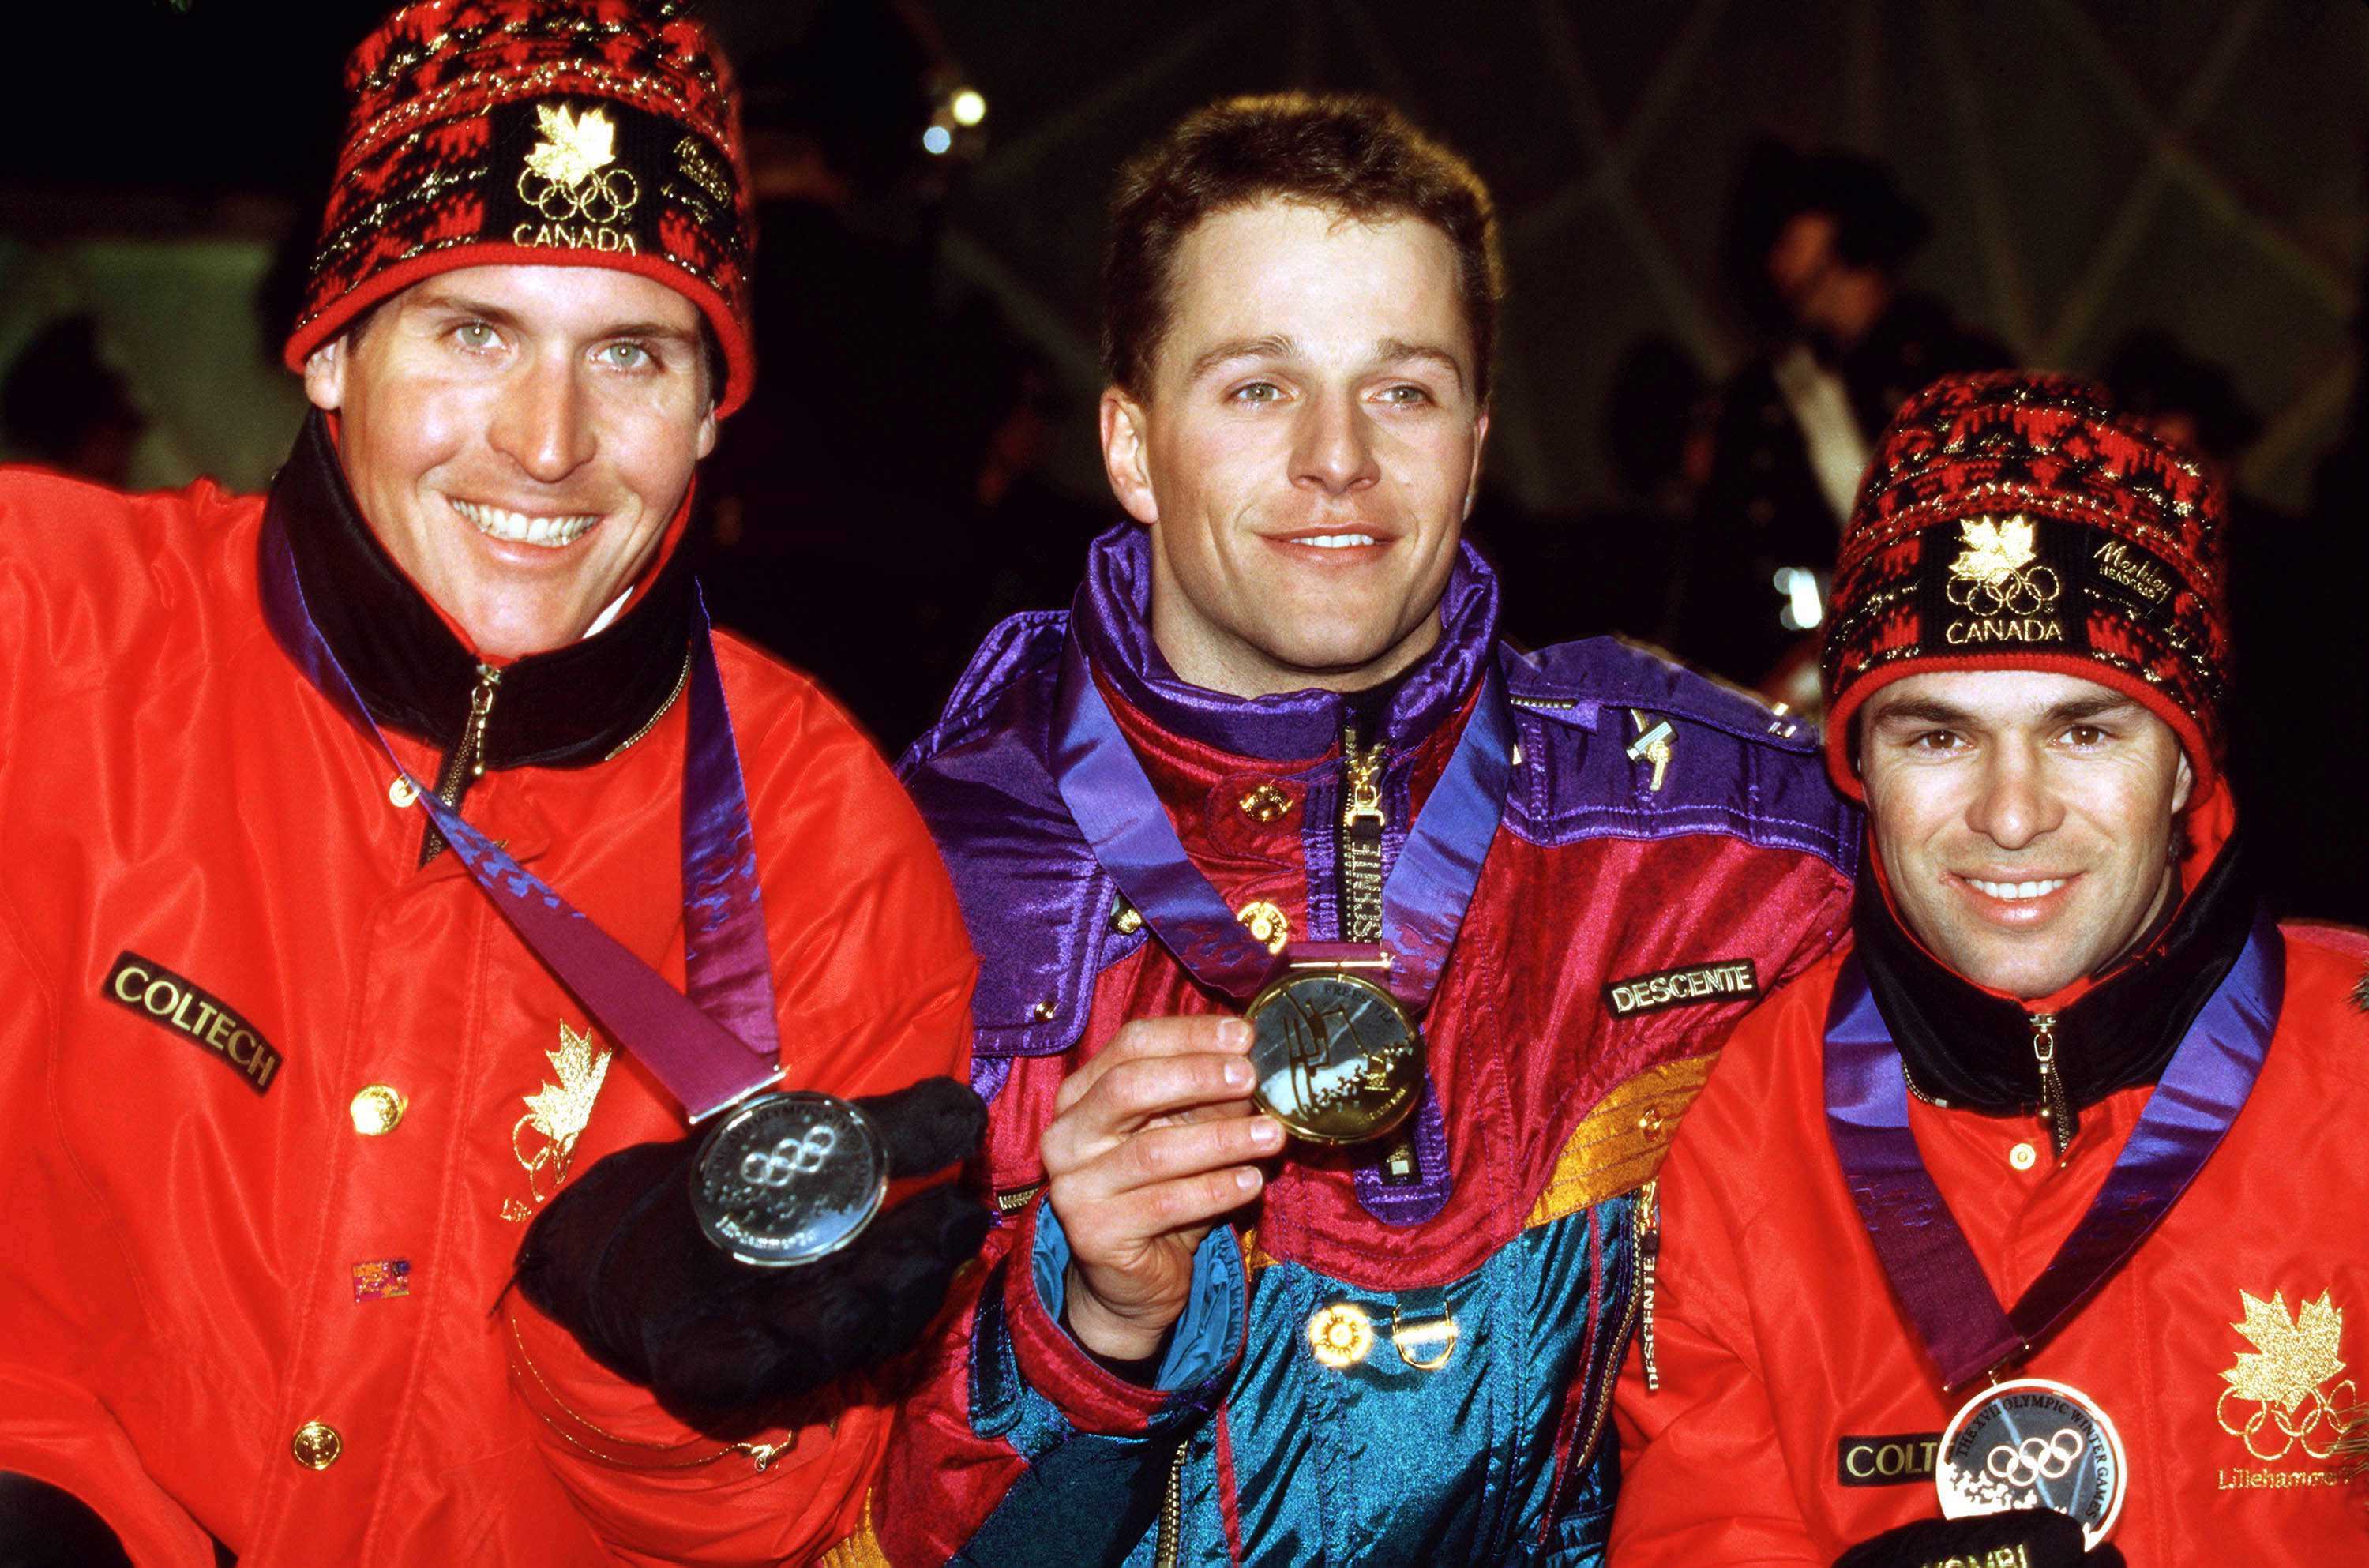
<point x="1338" y="1059"/>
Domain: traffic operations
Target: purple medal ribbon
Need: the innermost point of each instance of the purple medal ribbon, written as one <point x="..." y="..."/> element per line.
<point x="709" y="1048"/>
<point x="1933" y="1268"/>
<point x="1103" y="782"/>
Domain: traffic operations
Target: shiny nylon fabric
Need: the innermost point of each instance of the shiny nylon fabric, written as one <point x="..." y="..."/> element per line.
<point x="1931" y="1270"/>
<point x="1593" y="877"/>
<point x="1388" y="1463"/>
<point x="1777" y="1334"/>
<point x="709" y="1044"/>
<point x="176" y="1297"/>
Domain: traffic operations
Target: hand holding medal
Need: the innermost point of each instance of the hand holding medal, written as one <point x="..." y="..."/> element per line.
<point x="1153" y="1142"/>
<point x="628" y="1257"/>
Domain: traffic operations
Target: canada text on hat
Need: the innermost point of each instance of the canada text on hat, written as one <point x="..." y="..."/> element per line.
<point x="538" y="133"/>
<point x="2014" y="521"/>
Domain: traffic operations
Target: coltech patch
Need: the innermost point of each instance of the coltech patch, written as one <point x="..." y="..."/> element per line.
<point x="158" y="994"/>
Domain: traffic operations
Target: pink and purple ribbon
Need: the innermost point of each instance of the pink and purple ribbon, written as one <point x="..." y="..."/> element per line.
<point x="709" y="1048"/>
<point x="1926" y="1256"/>
<point x="1115" y="806"/>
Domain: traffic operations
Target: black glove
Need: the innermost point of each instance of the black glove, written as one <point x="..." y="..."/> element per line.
<point x="41" y="1526"/>
<point x="618" y="1259"/>
<point x="2046" y="1539"/>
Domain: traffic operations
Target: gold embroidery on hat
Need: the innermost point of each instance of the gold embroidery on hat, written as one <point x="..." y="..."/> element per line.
<point x="2009" y="596"/>
<point x="545" y="1138"/>
<point x="2280" y="1393"/>
<point x="573" y="179"/>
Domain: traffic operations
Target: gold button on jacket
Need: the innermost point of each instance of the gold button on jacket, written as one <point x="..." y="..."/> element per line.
<point x="376" y="1109"/>
<point x="316" y="1445"/>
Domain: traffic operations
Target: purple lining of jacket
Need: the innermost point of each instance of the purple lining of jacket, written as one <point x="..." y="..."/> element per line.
<point x="1038" y="906"/>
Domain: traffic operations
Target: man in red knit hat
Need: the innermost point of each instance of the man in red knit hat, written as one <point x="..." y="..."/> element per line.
<point x="399" y="867"/>
<point x="2026" y="1230"/>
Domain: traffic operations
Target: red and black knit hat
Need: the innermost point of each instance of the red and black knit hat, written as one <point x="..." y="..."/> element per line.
<point x="539" y="132"/>
<point x="2014" y="521"/>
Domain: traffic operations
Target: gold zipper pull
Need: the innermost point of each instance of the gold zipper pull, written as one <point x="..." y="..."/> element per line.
<point x="481" y="707"/>
<point x="2056" y="1111"/>
<point x="1362" y="809"/>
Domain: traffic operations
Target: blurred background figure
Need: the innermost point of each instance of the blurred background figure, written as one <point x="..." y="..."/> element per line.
<point x="1615" y="567"/>
<point x="63" y="405"/>
<point x="1814" y="248"/>
<point x="2298" y="741"/>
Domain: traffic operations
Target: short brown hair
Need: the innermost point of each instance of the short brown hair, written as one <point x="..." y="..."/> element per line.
<point x="1349" y="152"/>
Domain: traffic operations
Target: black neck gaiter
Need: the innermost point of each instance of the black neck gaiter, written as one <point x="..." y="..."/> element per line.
<point x="1963" y="1046"/>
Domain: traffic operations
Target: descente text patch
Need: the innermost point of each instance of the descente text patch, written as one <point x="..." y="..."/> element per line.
<point x="163" y="997"/>
<point x="1729" y="979"/>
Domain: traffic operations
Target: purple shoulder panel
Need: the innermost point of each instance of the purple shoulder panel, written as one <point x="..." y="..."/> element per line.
<point x="1036" y="903"/>
<point x="1590" y="716"/>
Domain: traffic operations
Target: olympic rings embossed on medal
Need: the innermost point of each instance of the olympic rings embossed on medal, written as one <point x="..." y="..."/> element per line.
<point x="2033" y="1442"/>
<point x="1338" y="1059"/>
<point x="785" y="1179"/>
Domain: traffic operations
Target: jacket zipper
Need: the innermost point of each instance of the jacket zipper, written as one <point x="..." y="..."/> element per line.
<point x="1362" y="822"/>
<point x="467" y="762"/>
<point x="2056" y="1110"/>
<point x="1360" y="852"/>
<point x="1171" y="1514"/>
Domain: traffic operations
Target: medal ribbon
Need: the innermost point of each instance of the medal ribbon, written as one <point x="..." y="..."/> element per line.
<point x="1931" y="1266"/>
<point x="709" y="1048"/>
<point x="1103" y="782"/>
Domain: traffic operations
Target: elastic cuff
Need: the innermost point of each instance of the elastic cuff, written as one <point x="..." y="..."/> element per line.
<point x="1203" y="1346"/>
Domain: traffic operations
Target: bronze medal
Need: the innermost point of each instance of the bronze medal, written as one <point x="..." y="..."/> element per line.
<point x="1338" y="1059"/>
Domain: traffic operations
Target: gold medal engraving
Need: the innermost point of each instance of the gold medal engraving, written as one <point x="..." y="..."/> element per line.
<point x="1338" y="1059"/>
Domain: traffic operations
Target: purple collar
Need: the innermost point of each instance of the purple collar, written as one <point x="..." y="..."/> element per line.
<point x="1112" y="617"/>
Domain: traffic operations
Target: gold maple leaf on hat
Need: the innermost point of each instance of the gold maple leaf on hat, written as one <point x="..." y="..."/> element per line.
<point x="560" y="1110"/>
<point x="2291" y="1356"/>
<point x="1993" y="551"/>
<point x="574" y="147"/>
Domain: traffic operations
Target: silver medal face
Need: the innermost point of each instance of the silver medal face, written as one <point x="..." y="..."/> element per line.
<point x="1338" y="1059"/>
<point x="788" y="1178"/>
<point x="2032" y="1443"/>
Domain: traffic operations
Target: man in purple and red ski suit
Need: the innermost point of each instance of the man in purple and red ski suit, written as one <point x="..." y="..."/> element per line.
<point x="1194" y="1341"/>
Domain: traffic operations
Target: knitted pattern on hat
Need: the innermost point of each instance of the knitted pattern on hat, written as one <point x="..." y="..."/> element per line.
<point x="2013" y="520"/>
<point x="539" y="132"/>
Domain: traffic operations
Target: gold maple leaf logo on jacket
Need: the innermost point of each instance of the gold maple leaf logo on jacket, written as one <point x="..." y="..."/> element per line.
<point x="574" y="147"/>
<point x="557" y="1115"/>
<point x="2283" y="1377"/>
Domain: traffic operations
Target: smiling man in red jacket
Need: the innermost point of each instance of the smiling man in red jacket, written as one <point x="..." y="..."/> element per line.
<point x="2043" y="1199"/>
<point x="289" y="1074"/>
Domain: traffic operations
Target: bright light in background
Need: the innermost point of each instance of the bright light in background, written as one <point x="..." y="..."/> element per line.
<point x="936" y="139"/>
<point x="968" y="107"/>
<point x="1804" y="605"/>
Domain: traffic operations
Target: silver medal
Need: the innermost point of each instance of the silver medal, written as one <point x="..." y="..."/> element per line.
<point x="785" y="1179"/>
<point x="2031" y="1443"/>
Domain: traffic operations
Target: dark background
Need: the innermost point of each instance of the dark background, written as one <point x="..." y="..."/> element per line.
<point x="2089" y="167"/>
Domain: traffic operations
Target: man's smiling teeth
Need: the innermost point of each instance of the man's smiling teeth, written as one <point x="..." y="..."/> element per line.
<point x="1336" y="541"/>
<point x="517" y="528"/>
<point x="2016" y="889"/>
